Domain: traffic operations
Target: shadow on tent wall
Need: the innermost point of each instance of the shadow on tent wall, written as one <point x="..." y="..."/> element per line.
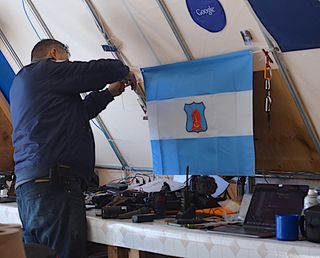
<point x="283" y="144"/>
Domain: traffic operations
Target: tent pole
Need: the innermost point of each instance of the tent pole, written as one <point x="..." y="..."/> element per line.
<point x="292" y="89"/>
<point x="135" y="169"/>
<point x="11" y="50"/>
<point x="175" y="29"/>
<point x="288" y="80"/>
<point x="114" y="147"/>
<point x="101" y="25"/>
<point x="98" y="118"/>
<point x="287" y="175"/>
<point x="98" y="21"/>
<point x="3" y="102"/>
<point x="37" y="15"/>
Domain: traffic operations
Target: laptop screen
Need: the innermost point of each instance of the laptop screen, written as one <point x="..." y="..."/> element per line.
<point x="271" y="199"/>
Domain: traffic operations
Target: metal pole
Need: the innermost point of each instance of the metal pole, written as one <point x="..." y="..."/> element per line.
<point x="175" y="29"/>
<point x="39" y="19"/>
<point x="11" y="50"/>
<point x="98" y="118"/>
<point x="135" y="169"/>
<point x="307" y="175"/>
<point x="292" y="89"/>
<point x="99" y="21"/>
<point x="287" y="78"/>
<point x="112" y="144"/>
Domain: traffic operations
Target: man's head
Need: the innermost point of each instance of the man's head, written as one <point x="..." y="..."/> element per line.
<point x="49" y="48"/>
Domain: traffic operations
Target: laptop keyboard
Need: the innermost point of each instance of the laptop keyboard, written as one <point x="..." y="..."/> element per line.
<point x="245" y="231"/>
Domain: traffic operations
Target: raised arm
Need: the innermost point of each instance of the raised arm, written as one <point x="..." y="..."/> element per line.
<point x="79" y="77"/>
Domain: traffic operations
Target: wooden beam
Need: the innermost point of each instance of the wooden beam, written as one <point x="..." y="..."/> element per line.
<point x="4" y="106"/>
<point x="117" y="252"/>
<point x="133" y="253"/>
<point x="6" y="149"/>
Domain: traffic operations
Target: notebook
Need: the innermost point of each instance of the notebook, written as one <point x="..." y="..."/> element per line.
<point x="267" y="201"/>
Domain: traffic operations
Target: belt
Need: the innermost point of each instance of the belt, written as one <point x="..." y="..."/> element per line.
<point x="62" y="174"/>
<point x="41" y="180"/>
<point x="61" y="178"/>
<point x="58" y="174"/>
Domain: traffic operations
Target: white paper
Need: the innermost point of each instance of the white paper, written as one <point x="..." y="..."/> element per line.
<point x="155" y="186"/>
<point x="221" y="183"/>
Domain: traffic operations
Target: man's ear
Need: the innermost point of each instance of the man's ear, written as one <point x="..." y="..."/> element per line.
<point x="53" y="53"/>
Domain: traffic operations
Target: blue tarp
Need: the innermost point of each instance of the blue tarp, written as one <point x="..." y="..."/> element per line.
<point x="6" y="76"/>
<point x="294" y="24"/>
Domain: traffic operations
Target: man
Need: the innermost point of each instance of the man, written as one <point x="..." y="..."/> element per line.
<point x="53" y="141"/>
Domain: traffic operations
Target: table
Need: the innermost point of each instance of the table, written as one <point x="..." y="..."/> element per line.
<point x="157" y="237"/>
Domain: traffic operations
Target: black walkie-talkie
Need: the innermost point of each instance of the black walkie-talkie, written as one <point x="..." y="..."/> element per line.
<point x="187" y="210"/>
<point x="186" y="197"/>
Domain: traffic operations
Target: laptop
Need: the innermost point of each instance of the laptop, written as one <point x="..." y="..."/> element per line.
<point x="267" y="201"/>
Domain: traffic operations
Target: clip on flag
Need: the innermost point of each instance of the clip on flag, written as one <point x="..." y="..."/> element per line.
<point x="200" y="115"/>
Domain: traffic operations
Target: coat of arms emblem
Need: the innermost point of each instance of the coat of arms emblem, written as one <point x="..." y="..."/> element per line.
<point x="196" y="121"/>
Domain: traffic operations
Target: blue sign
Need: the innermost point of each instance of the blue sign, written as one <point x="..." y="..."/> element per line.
<point x="208" y="14"/>
<point x="196" y="121"/>
<point x="6" y="76"/>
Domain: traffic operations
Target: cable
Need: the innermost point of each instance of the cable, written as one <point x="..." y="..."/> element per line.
<point x="101" y="129"/>
<point x="25" y="11"/>
<point x="97" y="126"/>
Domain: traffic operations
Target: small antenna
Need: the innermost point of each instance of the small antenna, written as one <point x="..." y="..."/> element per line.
<point x="186" y="201"/>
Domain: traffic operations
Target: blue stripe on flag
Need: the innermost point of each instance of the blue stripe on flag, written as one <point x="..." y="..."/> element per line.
<point x="227" y="156"/>
<point x="219" y="74"/>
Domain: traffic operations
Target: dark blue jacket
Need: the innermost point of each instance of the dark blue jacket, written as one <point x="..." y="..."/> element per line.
<point x="50" y="120"/>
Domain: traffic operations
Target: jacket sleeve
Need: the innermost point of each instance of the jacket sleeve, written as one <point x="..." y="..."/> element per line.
<point x="95" y="102"/>
<point x="79" y="77"/>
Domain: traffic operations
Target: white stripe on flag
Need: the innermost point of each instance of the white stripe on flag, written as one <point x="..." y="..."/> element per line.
<point x="227" y="114"/>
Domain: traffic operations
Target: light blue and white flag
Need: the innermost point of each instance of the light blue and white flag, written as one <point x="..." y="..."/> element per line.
<point x="200" y="115"/>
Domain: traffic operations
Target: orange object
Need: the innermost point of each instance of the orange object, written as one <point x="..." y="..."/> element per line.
<point x="220" y="211"/>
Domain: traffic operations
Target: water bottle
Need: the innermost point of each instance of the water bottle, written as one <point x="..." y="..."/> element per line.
<point x="311" y="199"/>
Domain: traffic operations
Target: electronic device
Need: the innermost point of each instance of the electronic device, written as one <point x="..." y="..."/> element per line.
<point x="143" y="218"/>
<point x="115" y="187"/>
<point x="267" y="201"/>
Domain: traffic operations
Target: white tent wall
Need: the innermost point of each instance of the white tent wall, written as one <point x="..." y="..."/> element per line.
<point x="147" y="40"/>
<point x="141" y="32"/>
<point x="304" y="68"/>
<point x="17" y="30"/>
<point x="203" y="43"/>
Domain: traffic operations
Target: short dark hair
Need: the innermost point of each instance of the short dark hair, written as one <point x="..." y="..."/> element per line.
<point x="41" y="49"/>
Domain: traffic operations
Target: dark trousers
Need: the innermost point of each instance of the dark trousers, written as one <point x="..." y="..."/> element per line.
<point x="54" y="215"/>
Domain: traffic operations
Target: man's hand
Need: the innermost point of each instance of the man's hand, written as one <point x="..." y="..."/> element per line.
<point x="116" y="88"/>
<point x="130" y="80"/>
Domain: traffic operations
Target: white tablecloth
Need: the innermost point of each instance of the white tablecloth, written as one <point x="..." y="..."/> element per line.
<point x="157" y="237"/>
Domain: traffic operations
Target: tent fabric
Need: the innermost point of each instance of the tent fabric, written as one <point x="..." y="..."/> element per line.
<point x="294" y="24"/>
<point x="141" y="32"/>
<point x="200" y="115"/>
<point x="6" y="76"/>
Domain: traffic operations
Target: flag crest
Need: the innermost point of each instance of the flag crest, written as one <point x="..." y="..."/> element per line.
<point x="196" y="121"/>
